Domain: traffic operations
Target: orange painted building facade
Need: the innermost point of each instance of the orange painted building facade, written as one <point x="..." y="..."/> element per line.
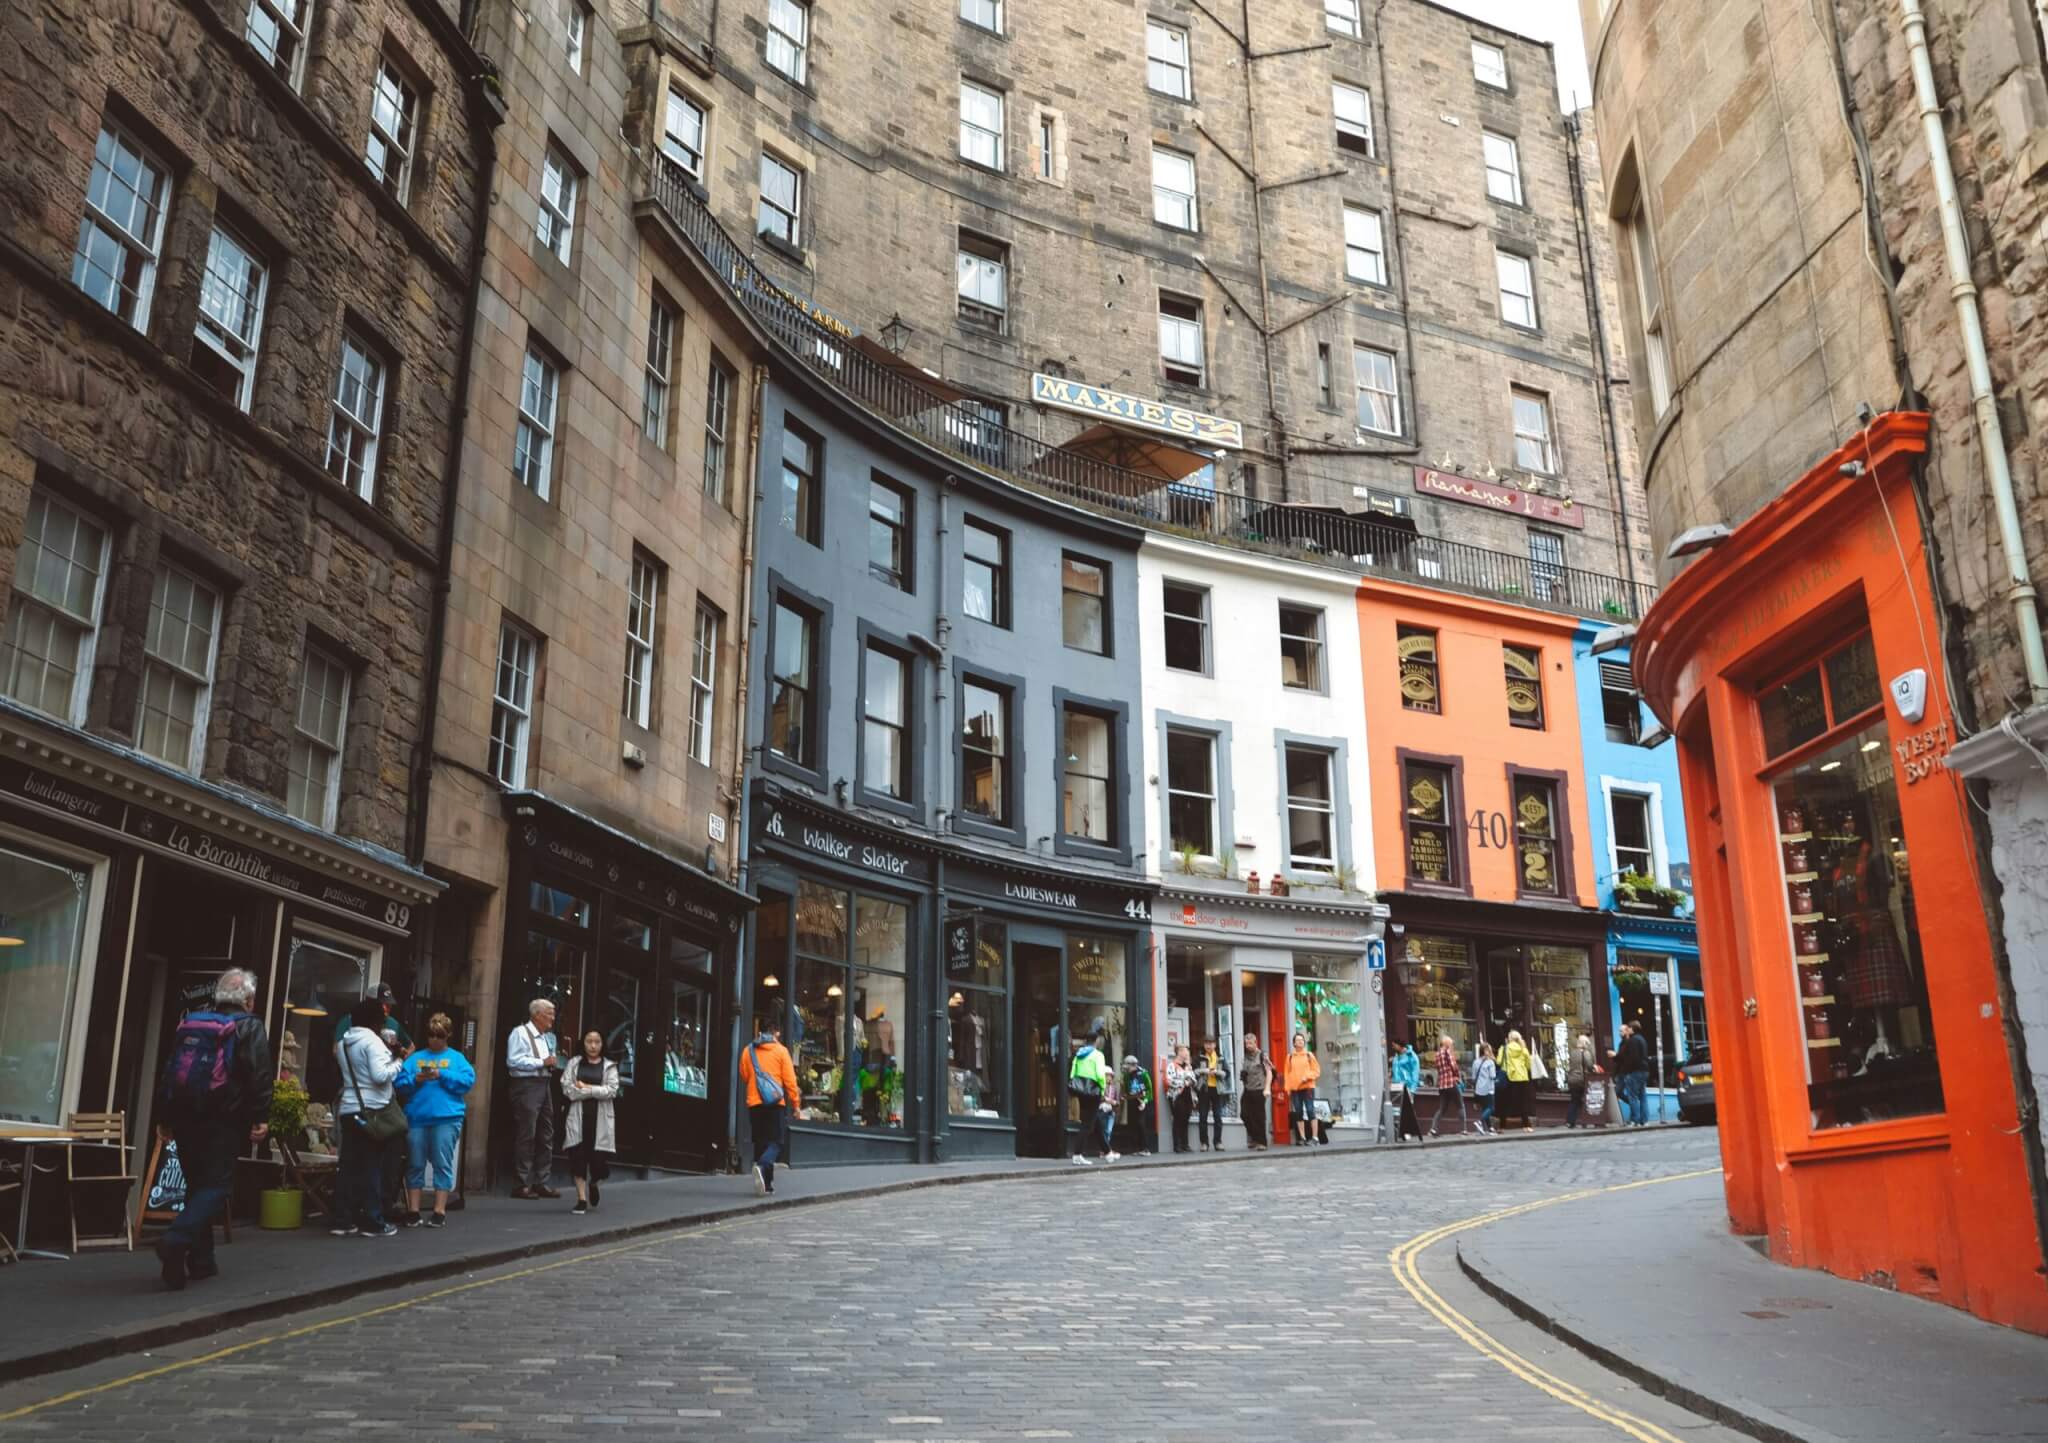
<point x="1867" y="1108"/>
<point x="1480" y="825"/>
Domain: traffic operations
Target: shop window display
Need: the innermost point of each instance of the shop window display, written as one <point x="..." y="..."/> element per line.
<point x="1326" y="1007"/>
<point x="977" y="1026"/>
<point x="323" y="979"/>
<point x="1436" y="973"/>
<point x="850" y="1003"/>
<point x="42" y="937"/>
<point x="1856" y="954"/>
<point x="686" y="1058"/>
<point x="1095" y="996"/>
<point x="1561" y="994"/>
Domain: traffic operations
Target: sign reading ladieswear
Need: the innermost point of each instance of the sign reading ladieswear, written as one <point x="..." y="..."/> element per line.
<point x="1495" y="497"/>
<point x="1203" y="430"/>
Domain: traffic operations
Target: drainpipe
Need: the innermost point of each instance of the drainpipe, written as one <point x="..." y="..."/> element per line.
<point x="1251" y="130"/>
<point x="1413" y="400"/>
<point x="2019" y="589"/>
<point x="451" y="468"/>
<point x="736" y="798"/>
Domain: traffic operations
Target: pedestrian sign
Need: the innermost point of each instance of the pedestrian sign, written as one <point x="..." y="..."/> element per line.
<point x="1375" y="954"/>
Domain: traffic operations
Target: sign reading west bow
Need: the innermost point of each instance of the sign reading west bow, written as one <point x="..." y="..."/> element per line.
<point x="1495" y="497"/>
<point x="1192" y="426"/>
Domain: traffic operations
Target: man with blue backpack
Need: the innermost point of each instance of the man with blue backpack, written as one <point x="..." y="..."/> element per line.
<point x="213" y="1099"/>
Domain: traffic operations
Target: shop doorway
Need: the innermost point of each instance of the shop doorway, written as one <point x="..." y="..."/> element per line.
<point x="1042" y="1051"/>
<point x="1266" y="1018"/>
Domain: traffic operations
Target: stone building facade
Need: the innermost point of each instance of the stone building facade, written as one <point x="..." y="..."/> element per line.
<point x="1174" y="227"/>
<point x="584" y="784"/>
<point x="1774" y="190"/>
<point x="233" y="282"/>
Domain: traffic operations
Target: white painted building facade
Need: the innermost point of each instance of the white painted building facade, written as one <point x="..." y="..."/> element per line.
<point x="1259" y="817"/>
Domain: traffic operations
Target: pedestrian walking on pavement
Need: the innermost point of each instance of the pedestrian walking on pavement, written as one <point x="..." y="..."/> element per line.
<point x="1303" y="1071"/>
<point x="1134" y="1098"/>
<point x="1631" y="1074"/>
<point x="1212" y="1081"/>
<point x="590" y="1085"/>
<point x="1255" y="1080"/>
<point x="1514" y="1065"/>
<point x="368" y="1072"/>
<point x="1450" y="1083"/>
<point x="433" y="1084"/>
<point x="769" y="1079"/>
<point x="1485" y="1079"/>
<point x="212" y="1100"/>
<point x="532" y="1057"/>
<point x="1407" y="1070"/>
<point x="1578" y="1072"/>
<point x="1089" y="1083"/>
<point x="1180" y="1097"/>
<point x="397" y="1150"/>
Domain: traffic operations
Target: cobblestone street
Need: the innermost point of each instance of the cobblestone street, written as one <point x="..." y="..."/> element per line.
<point x="1247" y="1300"/>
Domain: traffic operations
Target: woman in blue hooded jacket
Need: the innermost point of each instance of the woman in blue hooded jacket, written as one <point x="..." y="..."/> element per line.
<point x="432" y="1084"/>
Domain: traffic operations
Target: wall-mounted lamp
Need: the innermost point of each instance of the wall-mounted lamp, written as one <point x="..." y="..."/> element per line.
<point x="1656" y="736"/>
<point x="771" y="980"/>
<point x="1697" y="538"/>
<point x="1612" y="638"/>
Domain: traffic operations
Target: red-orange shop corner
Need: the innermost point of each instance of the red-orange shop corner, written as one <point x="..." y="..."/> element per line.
<point x="1869" y="1124"/>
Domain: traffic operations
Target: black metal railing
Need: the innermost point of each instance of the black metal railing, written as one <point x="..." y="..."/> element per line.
<point x="963" y="428"/>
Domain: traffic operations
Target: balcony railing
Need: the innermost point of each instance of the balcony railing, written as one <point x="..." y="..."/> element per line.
<point x="895" y="395"/>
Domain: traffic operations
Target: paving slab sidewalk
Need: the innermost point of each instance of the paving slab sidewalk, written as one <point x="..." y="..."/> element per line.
<point x="1651" y="1283"/>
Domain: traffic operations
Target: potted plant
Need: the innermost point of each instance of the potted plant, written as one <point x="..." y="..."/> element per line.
<point x="284" y="1207"/>
<point x="1188" y="851"/>
<point x="1633" y="892"/>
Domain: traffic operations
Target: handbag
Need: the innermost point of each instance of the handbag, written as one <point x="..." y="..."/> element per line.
<point x="388" y="1121"/>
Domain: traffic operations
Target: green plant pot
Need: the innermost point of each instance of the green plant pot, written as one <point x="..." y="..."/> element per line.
<point x="281" y="1209"/>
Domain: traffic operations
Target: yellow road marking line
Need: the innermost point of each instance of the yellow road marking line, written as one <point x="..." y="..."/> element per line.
<point x="230" y="1351"/>
<point x="1403" y="1259"/>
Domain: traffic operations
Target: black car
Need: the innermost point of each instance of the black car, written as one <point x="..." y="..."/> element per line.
<point x="1696" y="1088"/>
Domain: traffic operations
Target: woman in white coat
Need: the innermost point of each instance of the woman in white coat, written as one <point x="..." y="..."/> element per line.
<point x="591" y="1084"/>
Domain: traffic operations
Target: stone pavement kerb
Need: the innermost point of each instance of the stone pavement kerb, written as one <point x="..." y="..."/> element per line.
<point x="1650" y="1283"/>
<point x="66" y="1315"/>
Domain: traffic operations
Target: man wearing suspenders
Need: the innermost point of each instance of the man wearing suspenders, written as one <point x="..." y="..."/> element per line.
<point x="530" y="1058"/>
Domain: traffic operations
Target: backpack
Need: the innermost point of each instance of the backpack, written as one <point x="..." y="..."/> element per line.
<point x="769" y="1089"/>
<point x="200" y="1073"/>
<point x="1085" y="1088"/>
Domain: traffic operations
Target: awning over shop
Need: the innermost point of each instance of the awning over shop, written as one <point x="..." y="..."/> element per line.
<point x="904" y="388"/>
<point x="1330" y="528"/>
<point x="1111" y="459"/>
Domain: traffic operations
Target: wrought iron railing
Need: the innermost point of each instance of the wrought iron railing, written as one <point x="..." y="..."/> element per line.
<point x="897" y="395"/>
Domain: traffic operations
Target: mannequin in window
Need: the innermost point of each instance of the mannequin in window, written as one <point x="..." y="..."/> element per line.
<point x="1876" y="978"/>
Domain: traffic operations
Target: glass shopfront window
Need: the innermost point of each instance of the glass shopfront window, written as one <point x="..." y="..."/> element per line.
<point x="1326" y="1007"/>
<point x="977" y="1016"/>
<point x="1561" y="1000"/>
<point x="851" y="1003"/>
<point x="42" y="956"/>
<point x="323" y="979"/>
<point x="686" y="1055"/>
<point x="1860" y="974"/>
<point x="1095" y="997"/>
<point x="1436" y="973"/>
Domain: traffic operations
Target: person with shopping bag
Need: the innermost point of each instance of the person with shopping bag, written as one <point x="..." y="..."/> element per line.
<point x="1516" y="1062"/>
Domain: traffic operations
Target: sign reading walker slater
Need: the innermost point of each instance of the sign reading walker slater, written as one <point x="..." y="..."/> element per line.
<point x="1194" y="426"/>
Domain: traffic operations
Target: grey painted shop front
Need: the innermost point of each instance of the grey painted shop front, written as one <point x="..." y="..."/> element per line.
<point x="930" y="991"/>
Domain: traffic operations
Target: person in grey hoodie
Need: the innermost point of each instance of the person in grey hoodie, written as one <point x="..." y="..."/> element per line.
<point x="368" y="1070"/>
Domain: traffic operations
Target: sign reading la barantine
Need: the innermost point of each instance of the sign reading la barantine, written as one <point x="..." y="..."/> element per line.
<point x="1203" y="430"/>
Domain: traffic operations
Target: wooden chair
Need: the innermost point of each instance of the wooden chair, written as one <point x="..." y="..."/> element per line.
<point x="97" y="1166"/>
<point x="316" y="1180"/>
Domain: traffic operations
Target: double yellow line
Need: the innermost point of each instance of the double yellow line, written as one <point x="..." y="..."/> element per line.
<point x="1403" y="1259"/>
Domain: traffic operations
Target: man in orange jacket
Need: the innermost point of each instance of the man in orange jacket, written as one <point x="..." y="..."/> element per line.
<point x="769" y="1078"/>
<point x="1301" y="1075"/>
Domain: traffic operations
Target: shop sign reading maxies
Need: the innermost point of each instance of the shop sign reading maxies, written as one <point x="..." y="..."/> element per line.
<point x="1195" y="426"/>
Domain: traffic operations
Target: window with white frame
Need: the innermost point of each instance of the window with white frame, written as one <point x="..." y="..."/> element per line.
<point x="981" y="125"/>
<point x="682" y="133"/>
<point x="1503" y="167"/>
<point x="1180" y="340"/>
<point x="313" y="783"/>
<point x="789" y="38"/>
<point x="661" y="337"/>
<point x="53" y="623"/>
<point x="1534" y="448"/>
<point x="178" y="652"/>
<point x="1166" y="60"/>
<point x="1353" y="108"/>
<point x="703" y="681"/>
<point x="533" y="446"/>
<point x="1489" y="65"/>
<point x="1186" y="609"/>
<point x="1517" y="277"/>
<point x="1087" y="790"/>
<point x="1301" y="647"/>
<point x="555" y="224"/>
<point x="1642" y="245"/>
<point x="1311" y="810"/>
<point x="276" y="30"/>
<point x="354" y="417"/>
<point x="1628" y="823"/>
<point x="782" y="201"/>
<point x="718" y="386"/>
<point x="1341" y="16"/>
<point x="230" y="325"/>
<point x="121" y="233"/>
<point x="984" y="267"/>
<point x="1379" y="390"/>
<point x="643" y="611"/>
<point x="394" y="125"/>
<point x="988" y="14"/>
<point x="1191" y="791"/>
<point x="1621" y="708"/>
<point x="575" y="31"/>
<point x="1365" y="246"/>
<point x="512" y="705"/>
<point x="885" y="722"/>
<point x="1173" y="188"/>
